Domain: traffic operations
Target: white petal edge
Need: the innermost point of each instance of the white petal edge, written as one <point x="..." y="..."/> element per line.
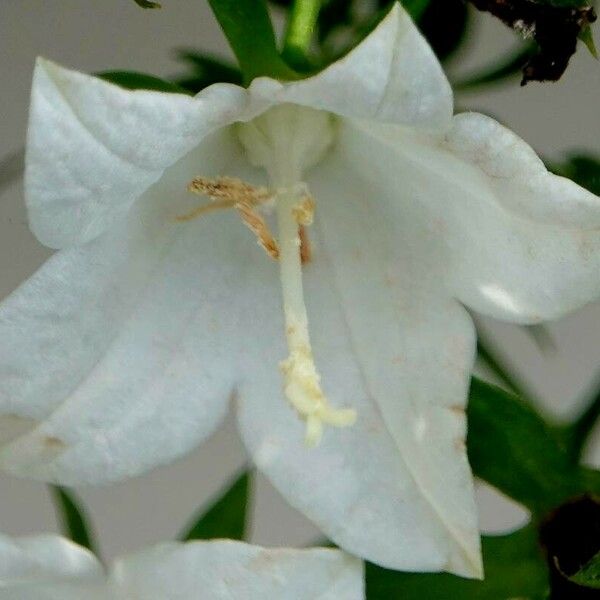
<point x="391" y="76"/>
<point x="45" y="557"/>
<point x="110" y="144"/>
<point x="509" y="239"/>
<point x="518" y="177"/>
<point x="48" y="567"/>
<point x="225" y="569"/>
<point x="121" y="354"/>
<point x="93" y="147"/>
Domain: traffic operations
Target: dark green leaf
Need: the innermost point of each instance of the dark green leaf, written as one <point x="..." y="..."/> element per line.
<point x="140" y="81"/>
<point x="416" y="8"/>
<point x="11" y="168"/>
<point x="444" y="24"/>
<point x="72" y="517"/>
<point x="341" y="16"/>
<point x="227" y="515"/>
<point x="206" y="70"/>
<point x="506" y="68"/>
<point x="513" y="449"/>
<point x="589" y="575"/>
<point x="567" y="3"/>
<point x="583" y="169"/>
<point x="248" y="28"/>
<point x="147" y="4"/>
<point x="335" y="14"/>
<point x="570" y="537"/>
<point x="514" y="568"/>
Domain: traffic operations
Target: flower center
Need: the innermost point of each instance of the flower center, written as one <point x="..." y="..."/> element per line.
<point x="286" y="141"/>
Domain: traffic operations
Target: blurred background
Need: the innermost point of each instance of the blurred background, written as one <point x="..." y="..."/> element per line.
<point x="91" y="36"/>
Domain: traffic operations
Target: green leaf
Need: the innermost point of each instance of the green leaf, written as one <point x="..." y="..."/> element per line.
<point x="227" y="515"/>
<point x="583" y="169"/>
<point x="132" y="80"/>
<point x="567" y="3"/>
<point x="512" y="448"/>
<point x="248" y="28"/>
<point x="589" y="575"/>
<point x="206" y="70"/>
<point x="147" y="4"/>
<point x="11" y="168"/>
<point x="415" y="8"/>
<point x="508" y="67"/>
<point x="514" y="568"/>
<point x="587" y="37"/>
<point x="444" y="24"/>
<point x="72" y="517"/>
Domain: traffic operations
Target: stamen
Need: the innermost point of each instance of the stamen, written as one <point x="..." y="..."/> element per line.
<point x="287" y="140"/>
<point x="229" y="192"/>
<point x="229" y="188"/>
<point x="305" y="248"/>
<point x="256" y="223"/>
<point x="205" y="208"/>
<point x="302" y="381"/>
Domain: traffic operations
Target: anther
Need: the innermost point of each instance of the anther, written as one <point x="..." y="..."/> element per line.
<point x="305" y="247"/>
<point x="229" y="192"/>
<point x="256" y="223"/>
<point x="229" y="188"/>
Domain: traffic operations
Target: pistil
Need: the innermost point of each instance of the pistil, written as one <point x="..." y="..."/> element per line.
<point x="302" y="384"/>
<point x="286" y="141"/>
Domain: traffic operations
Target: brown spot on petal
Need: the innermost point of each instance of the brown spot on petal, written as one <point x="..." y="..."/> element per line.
<point x="457" y="409"/>
<point x="54" y="443"/>
<point x="460" y="444"/>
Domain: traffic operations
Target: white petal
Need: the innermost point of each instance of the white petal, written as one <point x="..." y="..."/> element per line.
<point x="93" y="147"/>
<point x="48" y="557"/>
<point x="518" y="178"/>
<point x="517" y="242"/>
<point x="110" y="144"/>
<point x="395" y="488"/>
<point x="392" y="76"/>
<point x="48" y="567"/>
<point x="223" y="570"/>
<point x="122" y="352"/>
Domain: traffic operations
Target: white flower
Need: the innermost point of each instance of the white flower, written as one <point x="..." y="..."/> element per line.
<point x="123" y="351"/>
<point x="49" y="567"/>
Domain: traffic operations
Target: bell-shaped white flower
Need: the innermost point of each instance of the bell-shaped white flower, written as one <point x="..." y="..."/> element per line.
<point x="49" y="567"/>
<point x="122" y="352"/>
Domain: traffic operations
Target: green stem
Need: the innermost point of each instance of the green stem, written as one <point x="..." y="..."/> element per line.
<point x="299" y="33"/>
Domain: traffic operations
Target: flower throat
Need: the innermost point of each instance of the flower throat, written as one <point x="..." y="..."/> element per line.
<point x="286" y="141"/>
